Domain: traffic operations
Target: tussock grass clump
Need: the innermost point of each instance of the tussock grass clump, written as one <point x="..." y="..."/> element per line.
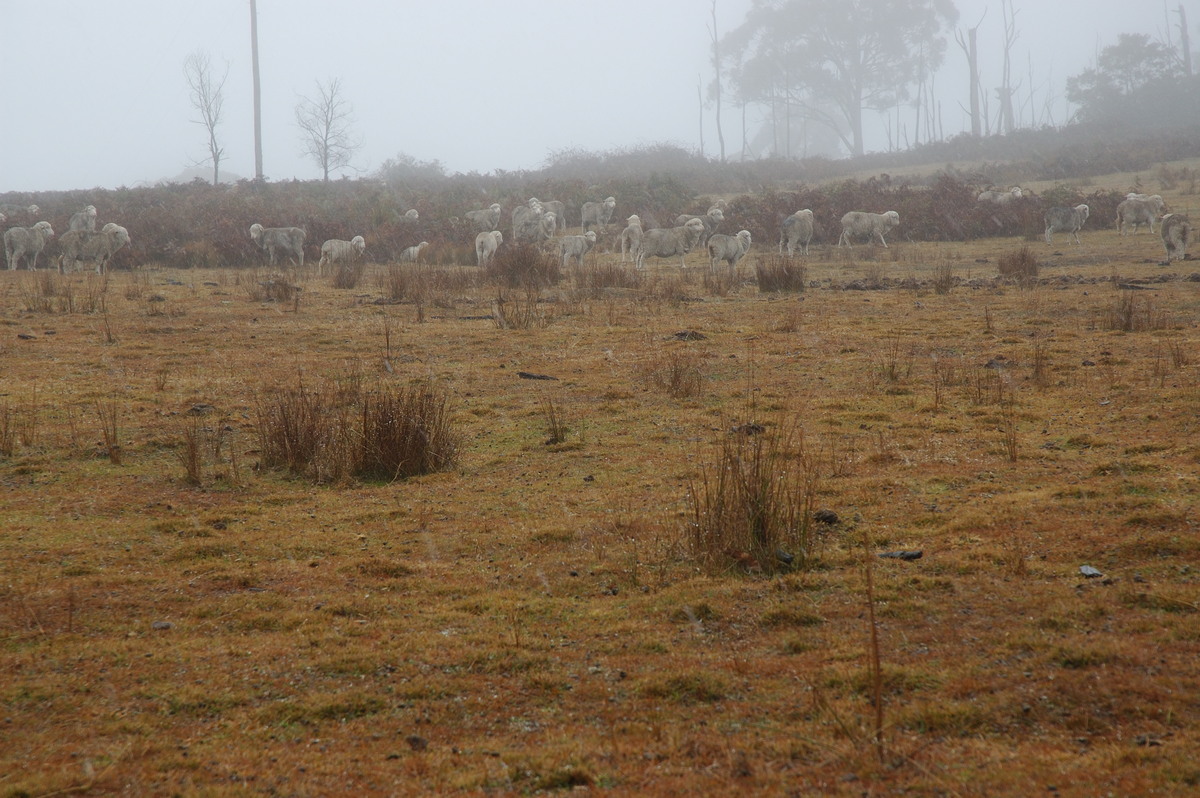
<point x="1134" y="313"/>
<point x="329" y="435"/>
<point x="677" y="372"/>
<point x="348" y="274"/>
<point x="523" y="266"/>
<point x="596" y="279"/>
<point x="943" y="279"/>
<point x="274" y="287"/>
<point x="780" y="274"/>
<point x="1021" y="265"/>
<point x="752" y="508"/>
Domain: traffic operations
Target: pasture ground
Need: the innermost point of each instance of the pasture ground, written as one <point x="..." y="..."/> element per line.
<point x="534" y="619"/>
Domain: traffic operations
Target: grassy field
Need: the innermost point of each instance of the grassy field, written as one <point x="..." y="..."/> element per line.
<point x="176" y="617"/>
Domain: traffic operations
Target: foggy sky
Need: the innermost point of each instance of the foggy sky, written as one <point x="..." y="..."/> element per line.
<point x="95" y="95"/>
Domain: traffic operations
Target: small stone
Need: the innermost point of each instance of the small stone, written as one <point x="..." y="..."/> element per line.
<point x="162" y="625"/>
<point x="825" y="517"/>
<point x="1089" y="572"/>
<point x="416" y="742"/>
<point x="903" y="555"/>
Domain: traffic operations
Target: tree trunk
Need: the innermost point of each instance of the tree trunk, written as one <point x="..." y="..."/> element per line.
<point x="1185" y="42"/>
<point x="717" y="67"/>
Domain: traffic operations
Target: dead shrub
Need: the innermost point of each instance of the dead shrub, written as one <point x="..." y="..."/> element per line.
<point x="752" y="507"/>
<point x="523" y="266"/>
<point x="274" y="287"/>
<point x="780" y="274"/>
<point x="347" y="274"/>
<point x="943" y="278"/>
<point x="1131" y="313"/>
<point x="677" y="372"/>
<point x="1021" y="265"/>
<point x="597" y="279"/>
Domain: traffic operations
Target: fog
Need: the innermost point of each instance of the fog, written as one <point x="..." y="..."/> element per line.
<point x="95" y="96"/>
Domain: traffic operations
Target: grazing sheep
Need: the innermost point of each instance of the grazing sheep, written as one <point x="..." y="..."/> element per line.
<point x="999" y="197"/>
<point x="711" y="218"/>
<point x="797" y="229"/>
<point x="288" y="240"/>
<point x="1065" y="220"/>
<point x="83" y="220"/>
<point x="576" y="247"/>
<point x="867" y="225"/>
<point x="485" y="220"/>
<point x="486" y="245"/>
<point x="84" y="245"/>
<point x="547" y="227"/>
<point x="20" y="242"/>
<point x="12" y="210"/>
<point x="411" y="216"/>
<point x="670" y="241"/>
<point x="410" y="254"/>
<point x="1176" y="232"/>
<point x="598" y="213"/>
<point x="336" y="249"/>
<point x="525" y="222"/>
<point x="730" y="249"/>
<point x="631" y="239"/>
<point x="1138" y="210"/>
<point x="558" y="209"/>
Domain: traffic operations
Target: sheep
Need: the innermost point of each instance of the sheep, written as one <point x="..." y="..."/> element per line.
<point x="410" y="254"/>
<point x="711" y="218"/>
<point x="576" y="247"/>
<point x="1138" y="210"/>
<point x="83" y="220"/>
<point x="1176" y="232"/>
<point x="670" y="241"/>
<point x="796" y="229"/>
<point x="558" y="209"/>
<point x="549" y="224"/>
<point x="486" y="219"/>
<point x="598" y="213"/>
<point x="11" y="209"/>
<point x="411" y="216"/>
<point x="999" y="197"/>
<point x="525" y="221"/>
<point x="336" y="249"/>
<point x="84" y="245"/>
<point x="289" y="240"/>
<point x="868" y="225"/>
<point x="1065" y="220"/>
<point x="730" y="249"/>
<point x="631" y="239"/>
<point x="20" y="242"/>
<point x="486" y="245"/>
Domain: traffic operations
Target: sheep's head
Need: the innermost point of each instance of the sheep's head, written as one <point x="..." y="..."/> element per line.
<point x="610" y="202"/>
<point x="495" y="206"/>
<point x="121" y="234"/>
<point x="1083" y="211"/>
<point x="716" y="214"/>
<point x="892" y="217"/>
<point x="744" y="236"/>
<point x="45" y="227"/>
<point x="422" y="245"/>
<point x="590" y="235"/>
<point x="496" y="234"/>
<point x="634" y="219"/>
<point x="33" y="209"/>
<point x="535" y="203"/>
<point x="359" y="243"/>
<point x="256" y="231"/>
<point x="1016" y="191"/>
<point x="412" y="214"/>
<point x="694" y="224"/>
<point x="805" y="214"/>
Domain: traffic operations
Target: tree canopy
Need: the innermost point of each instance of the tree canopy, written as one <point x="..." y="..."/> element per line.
<point x="1127" y="74"/>
<point x="833" y="58"/>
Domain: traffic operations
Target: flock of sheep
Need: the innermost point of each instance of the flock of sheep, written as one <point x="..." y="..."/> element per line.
<point x="539" y="222"/>
<point x="80" y="244"/>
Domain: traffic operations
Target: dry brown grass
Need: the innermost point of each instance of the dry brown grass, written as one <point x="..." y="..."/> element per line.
<point x="194" y="621"/>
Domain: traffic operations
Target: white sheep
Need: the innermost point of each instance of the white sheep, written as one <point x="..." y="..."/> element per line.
<point x="711" y="218"/>
<point x="526" y="221"/>
<point x="997" y="197"/>
<point x="867" y="225"/>
<point x="411" y="216"/>
<point x="288" y="240"/>
<point x="486" y="245"/>
<point x="83" y="220"/>
<point x="796" y="229"/>
<point x="336" y="249"/>
<point x="667" y="242"/>
<point x="1176" y="232"/>
<point x="558" y="209"/>
<point x="410" y="254"/>
<point x="20" y="242"/>
<point x="730" y="249"/>
<point x="576" y="247"/>
<point x="485" y="220"/>
<point x="84" y="245"/>
<point x="1065" y="220"/>
<point x="1137" y="210"/>
<point x="598" y="213"/>
<point x="631" y="239"/>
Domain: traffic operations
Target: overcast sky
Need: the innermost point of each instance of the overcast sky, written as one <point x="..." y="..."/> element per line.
<point x="96" y="97"/>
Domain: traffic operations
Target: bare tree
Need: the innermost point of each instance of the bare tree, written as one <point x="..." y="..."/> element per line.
<point x="1005" y="91"/>
<point x="970" y="48"/>
<point x="258" y="163"/>
<point x="716" y="59"/>
<point x="207" y="94"/>
<point x="325" y="127"/>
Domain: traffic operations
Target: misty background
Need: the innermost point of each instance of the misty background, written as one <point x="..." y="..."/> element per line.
<point x="98" y="98"/>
